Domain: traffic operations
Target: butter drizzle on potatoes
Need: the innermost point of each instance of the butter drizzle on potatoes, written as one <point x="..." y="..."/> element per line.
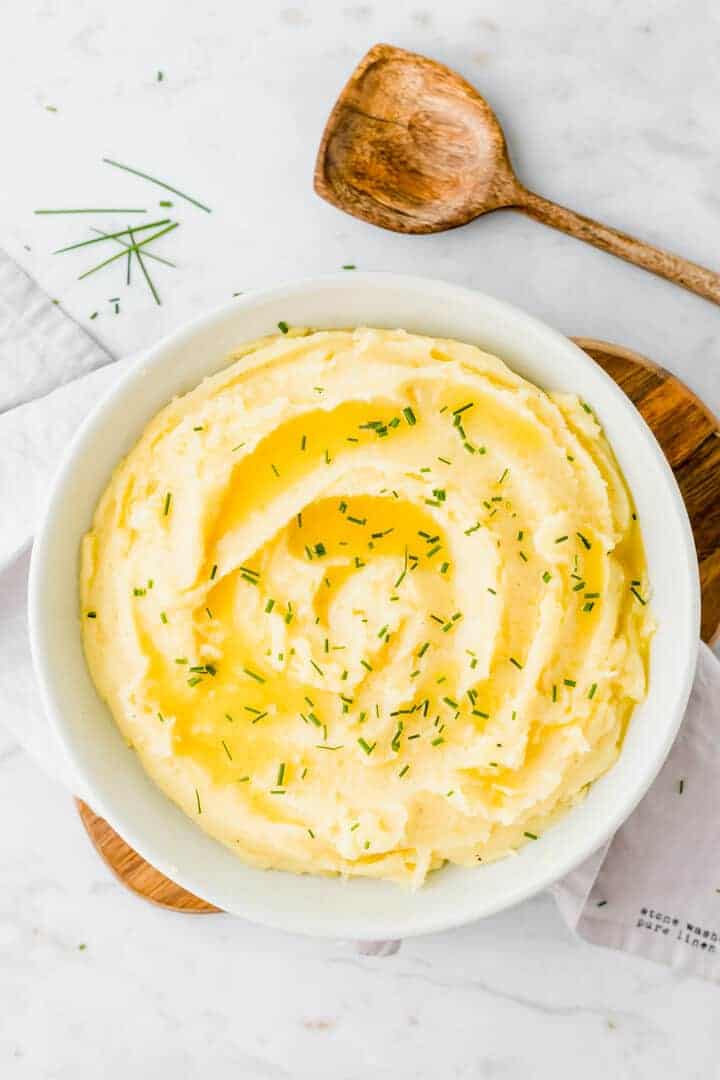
<point x="365" y="602"/>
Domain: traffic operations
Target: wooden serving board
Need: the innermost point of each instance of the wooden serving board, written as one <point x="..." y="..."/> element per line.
<point x="690" y="437"/>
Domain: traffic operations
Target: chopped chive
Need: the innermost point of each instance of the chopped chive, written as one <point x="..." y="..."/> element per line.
<point x="589" y="606"/>
<point x="213" y="572"/>
<point x="451" y="702"/>
<point x="547" y="576"/>
<point x="591" y="691"/>
<point x="523" y="556"/>
<point x="438" y="741"/>
<point x="554" y="692"/>
<point x="637" y="596"/>
<point x="168" y="500"/>
<point x="516" y="663"/>
<point x="366" y="746"/>
<point x="403" y="771"/>
<point x="225" y="748"/>
<point x="584" y="540"/>
<point x="311" y="834"/>
<point x="283" y="327"/>
<point x="586" y="407"/>
<point x="409" y="416"/>
<point x="404" y="570"/>
<point x="505" y="472"/>
<point x="318" y="669"/>
<point x="254" y="675"/>
<point x="281" y="774"/>
<point x="681" y="787"/>
<point x="561" y="539"/>
<point x="365" y="664"/>
<point x="569" y="682"/>
<point x="91" y="615"/>
<point x="580" y="585"/>
<point x="478" y="712"/>
<point x="197" y="799"/>
<point x="530" y="835"/>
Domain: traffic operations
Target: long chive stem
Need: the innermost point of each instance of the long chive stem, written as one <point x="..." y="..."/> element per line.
<point x="136" y="251"/>
<point x="122" y="210"/>
<point x="121" y="254"/>
<point x="160" y="183"/>
<point x="146" y="254"/>
<point x="111" y="236"/>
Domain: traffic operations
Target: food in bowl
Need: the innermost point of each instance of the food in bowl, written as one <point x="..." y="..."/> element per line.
<point x="366" y="602"/>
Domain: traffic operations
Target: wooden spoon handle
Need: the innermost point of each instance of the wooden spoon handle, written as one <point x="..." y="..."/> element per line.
<point x="696" y="278"/>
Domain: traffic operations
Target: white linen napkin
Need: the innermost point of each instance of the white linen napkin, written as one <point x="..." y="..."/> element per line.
<point x="653" y="890"/>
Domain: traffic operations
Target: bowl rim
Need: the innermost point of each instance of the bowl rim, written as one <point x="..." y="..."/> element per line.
<point x="40" y="617"/>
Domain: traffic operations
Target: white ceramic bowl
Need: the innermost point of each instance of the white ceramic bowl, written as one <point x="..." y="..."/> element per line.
<point x="115" y="782"/>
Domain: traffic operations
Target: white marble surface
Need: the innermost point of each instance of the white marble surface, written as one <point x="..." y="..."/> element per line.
<point x="609" y="107"/>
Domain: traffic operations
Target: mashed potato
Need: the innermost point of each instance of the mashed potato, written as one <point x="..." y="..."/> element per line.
<point x="365" y="602"/>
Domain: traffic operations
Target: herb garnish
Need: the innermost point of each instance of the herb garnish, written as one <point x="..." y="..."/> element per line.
<point x="93" y="210"/>
<point x="254" y="675"/>
<point x="160" y="183"/>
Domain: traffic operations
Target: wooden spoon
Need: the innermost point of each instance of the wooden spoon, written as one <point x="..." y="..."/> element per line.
<point x="412" y="147"/>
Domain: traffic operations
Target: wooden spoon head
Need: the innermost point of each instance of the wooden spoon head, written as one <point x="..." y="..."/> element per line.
<point x="412" y="147"/>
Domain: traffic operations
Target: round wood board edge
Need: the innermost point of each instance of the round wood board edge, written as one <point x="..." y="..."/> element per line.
<point x="689" y="435"/>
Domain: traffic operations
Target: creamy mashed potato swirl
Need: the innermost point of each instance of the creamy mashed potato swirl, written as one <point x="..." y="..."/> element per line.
<point x="365" y="602"/>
